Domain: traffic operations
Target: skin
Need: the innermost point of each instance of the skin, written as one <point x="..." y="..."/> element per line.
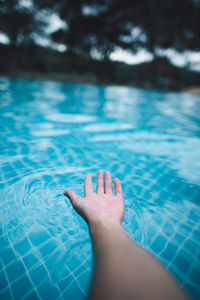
<point x="122" y="270"/>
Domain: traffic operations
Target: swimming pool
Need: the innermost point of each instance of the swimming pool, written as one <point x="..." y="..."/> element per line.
<point x="52" y="134"/>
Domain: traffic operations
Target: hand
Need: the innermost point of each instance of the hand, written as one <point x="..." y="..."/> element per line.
<point x="101" y="206"/>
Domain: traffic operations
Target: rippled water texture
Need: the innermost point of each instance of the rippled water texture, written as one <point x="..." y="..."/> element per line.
<point x="52" y="134"/>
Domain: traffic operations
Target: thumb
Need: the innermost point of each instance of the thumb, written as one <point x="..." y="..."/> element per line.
<point x="73" y="197"/>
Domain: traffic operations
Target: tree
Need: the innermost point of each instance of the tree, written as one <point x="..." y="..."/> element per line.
<point x="167" y="24"/>
<point x="103" y="25"/>
<point x="18" y="23"/>
<point x="92" y="26"/>
<point x="100" y="26"/>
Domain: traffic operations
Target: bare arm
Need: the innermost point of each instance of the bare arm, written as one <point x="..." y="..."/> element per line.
<point x="122" y="270"/>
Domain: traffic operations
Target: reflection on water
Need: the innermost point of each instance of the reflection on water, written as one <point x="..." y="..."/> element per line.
<point x="49" y="132"/>
<point x="102" y="127"/>
<point x="70" y="118"/>
<point x="52" y="134"/>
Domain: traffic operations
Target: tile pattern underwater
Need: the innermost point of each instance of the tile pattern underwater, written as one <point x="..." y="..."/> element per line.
<point x="52" y="134"/>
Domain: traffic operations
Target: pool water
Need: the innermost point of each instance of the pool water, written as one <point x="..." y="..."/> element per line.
<point x="52" y="134"/>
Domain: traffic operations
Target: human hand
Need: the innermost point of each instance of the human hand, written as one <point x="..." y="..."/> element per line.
<point x="101" y="206"/>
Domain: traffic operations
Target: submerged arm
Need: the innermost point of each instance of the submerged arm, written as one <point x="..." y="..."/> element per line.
<point x="122" y="270"/>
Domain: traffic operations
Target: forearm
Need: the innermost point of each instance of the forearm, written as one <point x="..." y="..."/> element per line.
<point x="125" y="271"/>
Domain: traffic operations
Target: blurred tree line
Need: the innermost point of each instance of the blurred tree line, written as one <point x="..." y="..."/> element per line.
<point x="97" y="28"/>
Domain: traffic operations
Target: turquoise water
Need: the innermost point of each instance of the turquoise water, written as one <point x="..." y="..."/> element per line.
<point x="52" y="134"/>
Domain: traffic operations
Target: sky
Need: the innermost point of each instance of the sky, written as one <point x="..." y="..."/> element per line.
<point x="188" y="58"/>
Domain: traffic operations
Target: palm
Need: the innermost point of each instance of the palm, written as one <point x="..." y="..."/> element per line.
<point x="101" y="205"/>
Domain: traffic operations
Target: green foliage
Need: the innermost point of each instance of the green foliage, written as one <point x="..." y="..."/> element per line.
<point x="103" y="25"/>
<point x="19" y="22"/>
<point x="151" y="24"/>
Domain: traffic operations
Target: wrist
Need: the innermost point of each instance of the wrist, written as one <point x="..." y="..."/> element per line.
<point x="107" y="235"/>
<point x="102" y="225"/>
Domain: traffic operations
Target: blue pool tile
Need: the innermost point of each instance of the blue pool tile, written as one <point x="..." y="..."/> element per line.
<point x="3" y="241"/>
<point x="198" y="255"/>
<point x="23" y="247"/>
<point x="169" y="252"/>
<point x="179" y="238"/>
<point x="196" y="235"/>
<point x="191" y="246"/>
<point x="52" y="260"/>
<point x="48" y="248"/>
<point x="157" y="218"/>
<point x="15" y="270"/>
<point x="39" y="237"/>
<point x="19" y="164"/>
<point x="188" y="191"/>
<point x="195" y="275"/>
<point x="162" y="181"/>
<point x="17" y="234"/>
<point x="73" y="292"/>
<point x="64" y="237"/>
<point x="7" y="256"/>
<point x="48" y="291"/>
<point x="194" y="216"/>
<point x="193" y="290"/>
<point x="30" y="260"/>
<point x="164" y="196"/>
<point x="3" y="280"/>
<point x="32" y="296"/>
<point x="174" y="186"/>
<point x="38" y="274"/>
<point x="6" y="295"/>
<point x="1" y="231"/>
<point x="137" y="189"/>
<point x="168" y="229"/>
<point x="21" y="287"/>
<point x="14" y="223"/>
<point x="84" y="280"/>
<point x="73" y="263"/>
<point x="65" y="282"/>
<point x="182" y="262"/>
<point x="2" y="185"/>
<point x="147" y="195"/>
<point x="7" y="169"/>
<point x="184" y="228"/>
<point x="151" y="233"/>
<point x="158" y="244"/>
<point x="79" y="270"/>
<point x="145" y="182"/>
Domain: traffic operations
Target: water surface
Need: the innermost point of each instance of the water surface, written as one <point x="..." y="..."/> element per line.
<point x="52" y="134"/>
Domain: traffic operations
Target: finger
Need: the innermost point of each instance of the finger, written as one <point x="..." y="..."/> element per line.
<point x="118" y="188"/>
<point x="73" y="197"/>
<point x="100" y="183"/>
<point x="108" y="183"/>
<point x="88" y="185"/>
